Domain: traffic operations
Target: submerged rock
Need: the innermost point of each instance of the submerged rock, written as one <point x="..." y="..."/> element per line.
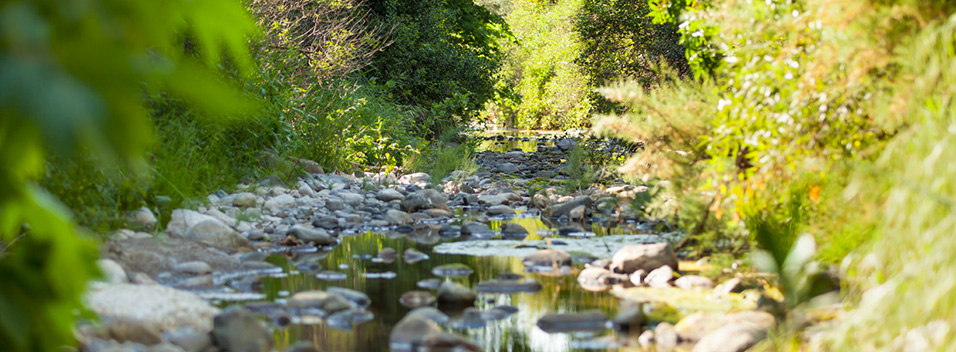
<point x="453" y="294"/>
<point x="645" y="257"/>
<point x="476" y="229"/>
<point x="238" y="330"/>
<point x="454" y="269"/>
<point x="508" y="286"/>
<point x="409" y="333"/>
<point x="443" y="341"/>
<point x="546" y="258"/>
<point x="587" y="321"/>
<point x="415" y="299"/>
<point x="413" y="255"/>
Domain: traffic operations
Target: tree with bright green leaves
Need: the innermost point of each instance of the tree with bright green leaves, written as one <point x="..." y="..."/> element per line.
<point x="443" y="56"/>
<point x="73" y="76"/>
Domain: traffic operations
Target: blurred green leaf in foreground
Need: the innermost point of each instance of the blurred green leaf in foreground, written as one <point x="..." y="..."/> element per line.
<point x="73" y="75"/>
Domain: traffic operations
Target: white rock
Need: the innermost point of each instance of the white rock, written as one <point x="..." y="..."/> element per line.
<point x="112" y="272"/>
<point x="155" y="306"/>
<point x="279" y="202"/>
<point x="183" y="219"/>
<point x="143" y="219"/>
<point x="244" y="200"/>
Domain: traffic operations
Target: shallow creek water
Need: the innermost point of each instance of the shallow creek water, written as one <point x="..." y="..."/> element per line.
<point x="517" y="332"/>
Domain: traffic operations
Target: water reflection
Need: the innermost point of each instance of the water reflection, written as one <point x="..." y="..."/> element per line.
<point x="517" y="332"/>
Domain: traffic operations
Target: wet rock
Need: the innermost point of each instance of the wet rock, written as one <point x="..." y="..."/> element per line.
<point x="443" y="341"/>
<point x="629" y="319"/>
<point x="307" y="299"/>
<point x="453" y="294"/>
<point x="598" y="279"/>
<point x="244" y="200"/>
<point x="513" y="230"/>
<point x="665" y="337"/>
<point x="142" y="219"/>
<point x="498" y="312"/>
<point x="564" y="209"/>
<point x="238" y="330"/>
<point x="476" y="229"/>
<point x="547" y="258"/>
<point x="330" y="275"/>
<point x="492" y="199"/>
<point x="279" y="202"/>
<point x="587" y="321"/>
<point x="112" y="272"/>
<point x="507" y="275"/>
<point x="693" y="281"/>
<point x="316" y="236"/>
<point x="429" y="283"/>
<point x="731" y="338"/>
<point x="388" y="195"/>
<point x="397" y="217"/>
<point x="415" y="299"/>
<point x="409" y="333"/>
<point x="660" y="277"/>
<point x="695" y="326"/>
<point x="214" y="233"/>
<point x="454" y="269"/>
<point x="424" y="199"/>
<point x="388" y="253"/>
<point x="325" y="221"/>
<point x="430" y="313"/>
<point x="193" y="267"/>
<point x="359" y="298"/>
<point x="508" y="286"/>
<point x="413" y="256"/>
<point x="154" y="306"/>
<point x="643" y="256"/>
<point x="189" y="339"/>
<point x="500" y="210"/>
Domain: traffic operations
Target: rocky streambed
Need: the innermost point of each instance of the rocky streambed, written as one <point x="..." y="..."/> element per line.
<point x="505" y="259"/>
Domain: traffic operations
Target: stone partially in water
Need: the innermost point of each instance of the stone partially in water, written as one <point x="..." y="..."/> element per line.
<point x="508" y="286"/>
<point x="645" y="257"/>
<point x="415" y="299"/>
<point x="424" y="199"/>
<point x="498" y="313"/>
<point x="409" y="333"/>
<point x="318" y="237"/>
<point x="429" y="283"/>
<point x="629" y="319"/>
<point x="476" y="229"/>
<point x="513" y="230"/>
<point x="413" y="256"/>
<point x="359" y="298"/>
<point x="547" y="258"/>
<point x="331" y="275"/>
<point x="660" y="277"/>
<point x="454" y="269"/>
<point x="453" y="294"/>
<point x="598" y="279"/>
<point x="430" y="313"/>
<point x="587" y="321"/>
<point x="500" y="210"/>
<point x="238" y="330"/>
<point x="386" y="275"/>
<point x="388" y="253"/>
<point x="443" y="341"/>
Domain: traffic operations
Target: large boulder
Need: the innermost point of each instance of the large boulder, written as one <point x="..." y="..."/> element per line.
<point x="645" y="257"/>
<point x="214" y="233"/>
<point x="424" y="199"/>
<point x="155" y="307"/>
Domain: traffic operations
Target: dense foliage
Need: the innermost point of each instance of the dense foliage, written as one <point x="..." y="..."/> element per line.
<point x="819" y="117"/>
<point x="442" y="58"/>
